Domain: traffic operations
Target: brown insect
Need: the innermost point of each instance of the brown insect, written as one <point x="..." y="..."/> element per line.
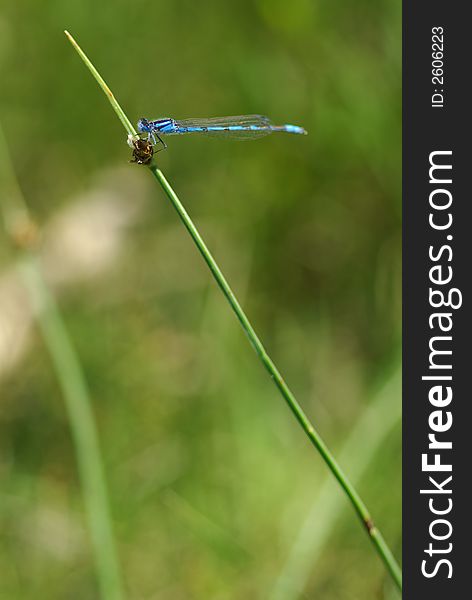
<point x="143" y="152"/>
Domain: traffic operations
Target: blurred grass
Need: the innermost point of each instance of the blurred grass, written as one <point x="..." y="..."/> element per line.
<point x="199" y="451"/>
<point x="23" y="236"/>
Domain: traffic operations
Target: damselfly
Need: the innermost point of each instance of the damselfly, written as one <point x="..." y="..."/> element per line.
<point x="243" y="127"/>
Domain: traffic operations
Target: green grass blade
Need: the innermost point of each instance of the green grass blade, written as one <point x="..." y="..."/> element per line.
<point x="106" y="90"/>
<point x="21" y="231"/>
<point x="72" y="382"/>
<point x="358" y="451"/>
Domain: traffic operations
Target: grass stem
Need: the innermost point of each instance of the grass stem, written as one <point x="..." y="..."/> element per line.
<point x="22" y="233"/>
<point x="364" y="443"/>
<point x="74" y="388"/>
<point x="314" y="437"/>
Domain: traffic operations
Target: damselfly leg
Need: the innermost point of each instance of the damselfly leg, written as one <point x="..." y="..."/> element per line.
<point x="164" y="145"/>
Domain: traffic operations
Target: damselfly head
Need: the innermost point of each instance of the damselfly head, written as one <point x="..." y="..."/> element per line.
<point x="144" y="126"/>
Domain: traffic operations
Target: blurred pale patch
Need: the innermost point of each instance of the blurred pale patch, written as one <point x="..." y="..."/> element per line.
<point x="81" y="242"/>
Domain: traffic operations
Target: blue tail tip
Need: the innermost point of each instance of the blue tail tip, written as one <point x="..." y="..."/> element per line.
<point x="295" y="129"/>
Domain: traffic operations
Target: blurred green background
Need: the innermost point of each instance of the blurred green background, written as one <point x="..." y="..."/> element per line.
<point x="212" y="482"/>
